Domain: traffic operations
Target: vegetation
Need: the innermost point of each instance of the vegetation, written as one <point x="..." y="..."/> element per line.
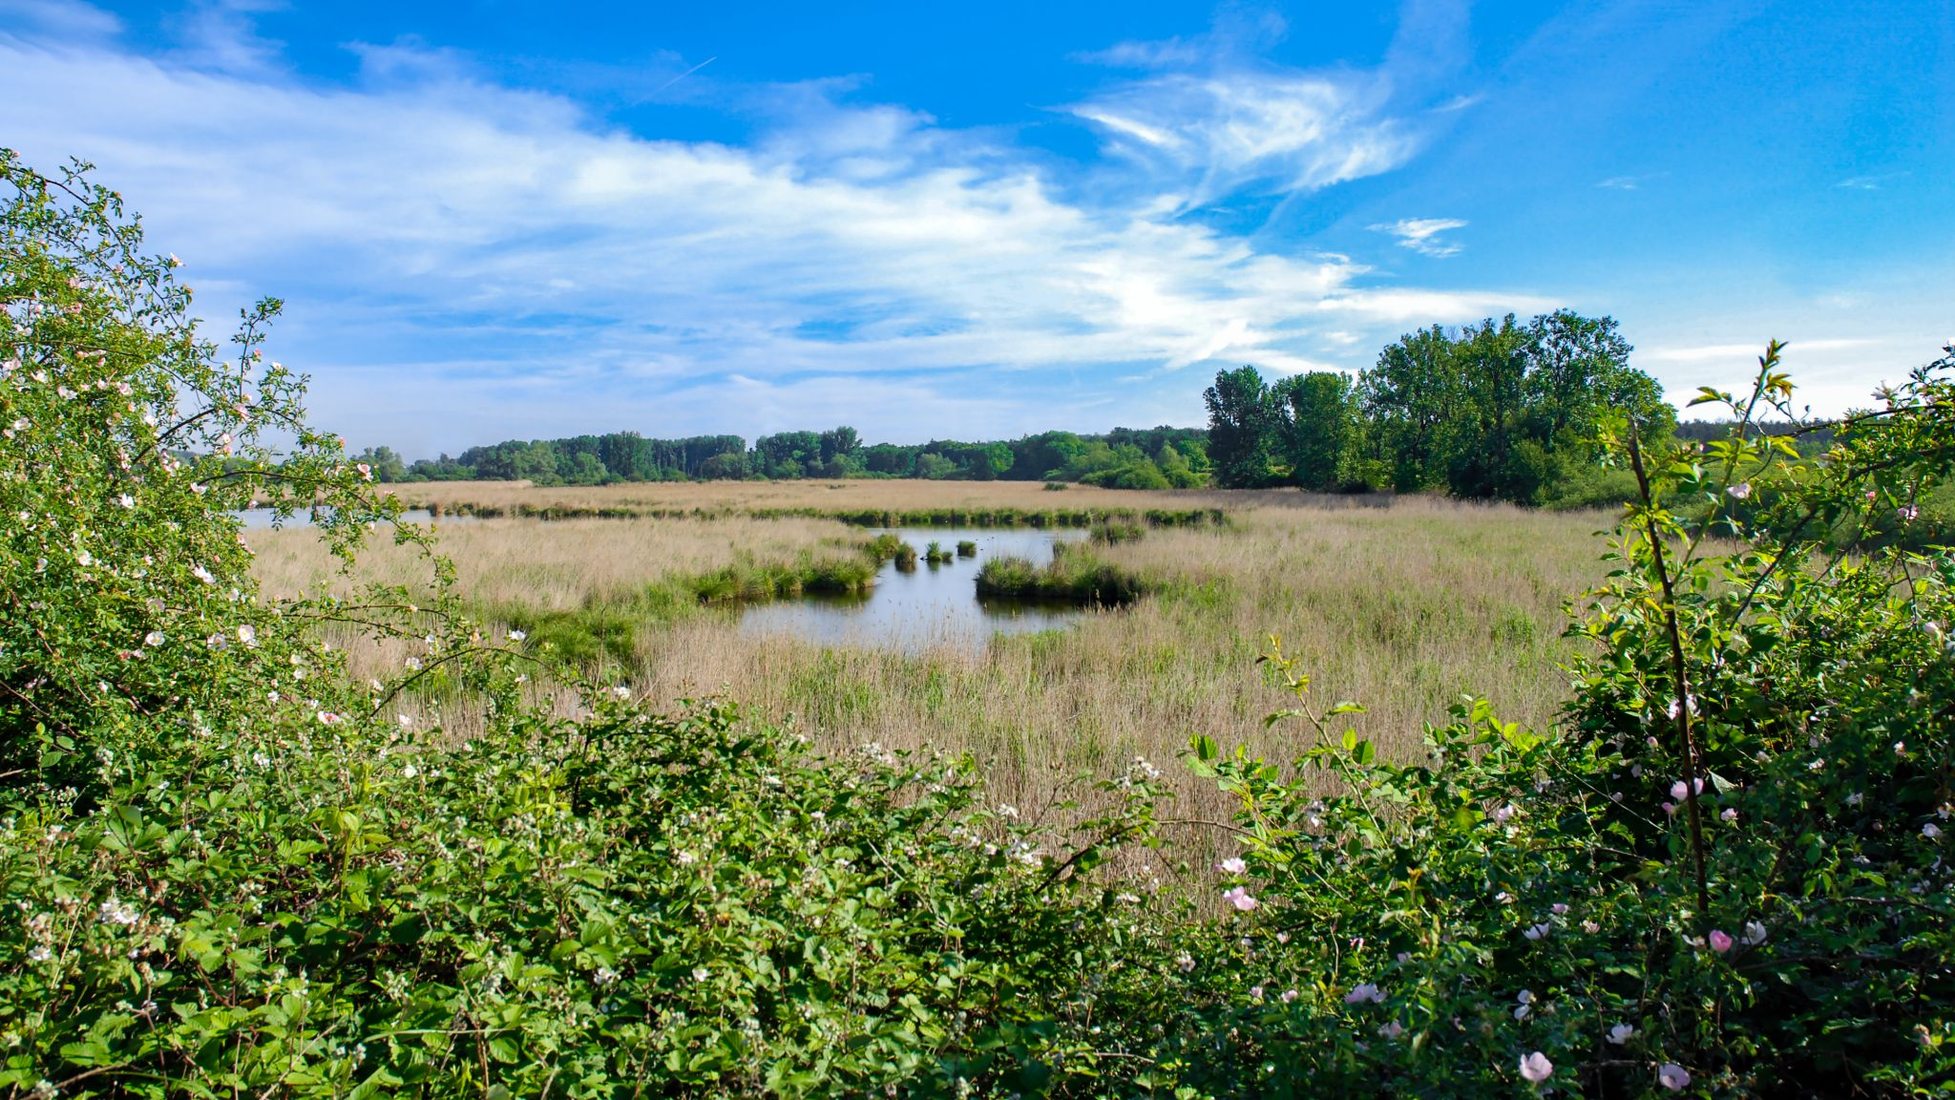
<point x="233" y="867"/>
<point x="1124" y="458"/>
<point x="1075" y="577"/>
<point x="1498" y="411"/>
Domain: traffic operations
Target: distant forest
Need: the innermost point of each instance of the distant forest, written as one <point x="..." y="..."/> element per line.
<point x="1502" y="410"/>
<point x="1124" y="458"/>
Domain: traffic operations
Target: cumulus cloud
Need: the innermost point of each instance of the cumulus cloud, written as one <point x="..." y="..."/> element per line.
<point x="439" y="233"/>
<point x="1423" y="235"/>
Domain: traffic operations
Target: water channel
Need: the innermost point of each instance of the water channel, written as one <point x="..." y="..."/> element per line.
<point x="911" y="611"/>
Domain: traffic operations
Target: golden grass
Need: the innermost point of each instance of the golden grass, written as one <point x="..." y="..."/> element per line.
<point x="1400" y="605"/>
<point x="892" y="495"/>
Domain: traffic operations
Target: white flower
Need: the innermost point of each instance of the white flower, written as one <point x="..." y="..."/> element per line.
<point x="1231" y="866"/>
<point x="406" y="720"/>
<point x="1240" y="898"/>
<point x="1392" y="1030"/>
<point x="39" y="953"/>
<point x="115" y="912"/>
<point x="1740" y="491"/>
<point x="1729" y="814"/>
<point x="1287" y="996"/>
<point x="127" y="501"/>
<point x="1525" y="1005"/>
<point x="700" y="973"/>
<point x="155" y="638"/>
<point x="621" y="691"/>
<point x="1366" y="993"/>
<point x="517" y="635"/>
<point x="1536" y="1067"/>
<point x="202" y="574"/>
<point x="1621" y="1033"/>
<point x="83" y="558"/>
<point x="1672" y="1076"/>
<point x="1538" y="931"/>
<point x="410" y="771"/>
<point x="1591" y="927"/>
<point x="1931" y="831"/>
<point x="1754" y="934"/>
<point x="1184" y="962"/>
<point x="328" y="718"/>
<point x="1502" y="813"/>
<point x="1855" y="798"/>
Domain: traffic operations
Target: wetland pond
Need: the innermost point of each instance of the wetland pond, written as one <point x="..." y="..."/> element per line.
<point x="935" y="604"/>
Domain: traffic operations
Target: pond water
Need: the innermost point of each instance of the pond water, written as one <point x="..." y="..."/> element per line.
<point x="260" y="519"/>
<point x="933" y="605"/>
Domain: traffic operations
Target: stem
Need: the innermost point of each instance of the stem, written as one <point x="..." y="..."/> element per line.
<point x="1684" y="731"/>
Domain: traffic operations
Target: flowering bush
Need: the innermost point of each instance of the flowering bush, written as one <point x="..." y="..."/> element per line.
<point x="228" y="867"/>
<point x="1726" y="874"/>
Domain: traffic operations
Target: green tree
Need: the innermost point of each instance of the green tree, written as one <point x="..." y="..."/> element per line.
<point x="1319" y="429"/>
<point x="1242" y="423"/>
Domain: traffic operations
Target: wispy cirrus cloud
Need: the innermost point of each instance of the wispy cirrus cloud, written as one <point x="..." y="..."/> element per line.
<point x="1424" y="235"/>
<point x="466" y="259"/>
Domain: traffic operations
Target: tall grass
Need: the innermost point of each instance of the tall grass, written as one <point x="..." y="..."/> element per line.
<point x="1400" y="605"/>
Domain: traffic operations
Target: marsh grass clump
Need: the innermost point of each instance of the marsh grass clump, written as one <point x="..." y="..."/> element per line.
<point x="1112" y="533"/>
<point x="906" y="558"/>
<point x="966" y="548"/>
<point x="935" y="554"/>
<point x="1075" y="576"/>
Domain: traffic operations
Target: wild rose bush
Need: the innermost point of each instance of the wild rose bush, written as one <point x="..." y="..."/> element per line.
<point x="1726" y="875"/>
<point x="229" y="867"/>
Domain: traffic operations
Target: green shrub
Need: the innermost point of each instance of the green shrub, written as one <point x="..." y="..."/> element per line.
<point x="966" y="548"/>
<point x="231" y="869"/>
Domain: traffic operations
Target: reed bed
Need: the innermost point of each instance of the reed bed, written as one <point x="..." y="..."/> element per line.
<point x="1403" y="606"/>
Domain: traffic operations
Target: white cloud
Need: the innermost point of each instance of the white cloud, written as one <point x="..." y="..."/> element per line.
<point x="1208" y="136"/>
<point x="66" y="20"/>
<point x="466" y="261"/>
<point x="1743" y="353"/>
<point x="1422" y="235"/>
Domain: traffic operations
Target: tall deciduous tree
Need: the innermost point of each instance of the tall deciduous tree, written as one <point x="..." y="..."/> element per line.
<point x="1241" y="423"/>
<point x="1319" y="429"/>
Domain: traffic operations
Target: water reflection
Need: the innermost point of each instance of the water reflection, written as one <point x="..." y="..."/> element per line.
<point x="911" y="611"/>
<point x="260" y="519"/>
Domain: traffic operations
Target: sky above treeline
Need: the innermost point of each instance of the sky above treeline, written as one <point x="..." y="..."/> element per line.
<point x="493" y="220"/>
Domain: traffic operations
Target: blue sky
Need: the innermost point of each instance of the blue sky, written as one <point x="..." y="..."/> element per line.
<point x="982" y="220"/>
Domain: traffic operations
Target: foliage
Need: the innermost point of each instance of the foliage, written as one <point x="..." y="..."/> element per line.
<point x="1498" y="411"/>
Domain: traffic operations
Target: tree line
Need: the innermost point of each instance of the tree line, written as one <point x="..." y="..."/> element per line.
<point x="1124" y="458"/>
<point x="1500" y="410"/>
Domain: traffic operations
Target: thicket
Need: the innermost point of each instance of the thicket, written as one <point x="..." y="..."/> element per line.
<point x="229" y="867"/>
